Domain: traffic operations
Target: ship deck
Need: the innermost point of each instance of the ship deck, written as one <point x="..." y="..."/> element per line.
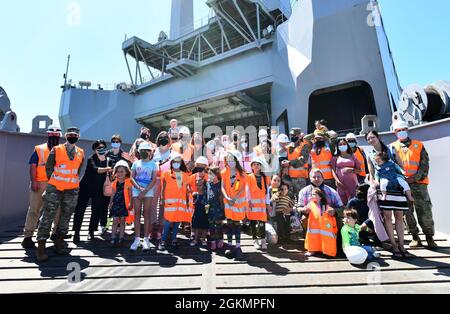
<point x="195" y="270"/>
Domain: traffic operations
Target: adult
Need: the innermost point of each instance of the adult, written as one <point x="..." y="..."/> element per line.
<point x="91" y="188"/>
<point x="62" y="168"/>
<point x="359" y="153"/>
<point x="298" y="157"/>
<point x="345" y="167"/>
<point x="185" y="148"/>
<point x="412" y="156"/>
<point x="198" y="143"/>
<point x="395" y="203"/>
<point x="334" y="207"/>
<point x="247" y="155"/>
<point x="116" y="154"/>
<point x="321" y="156"/>
<point x="38" y="183"/>
<point x="144" y="137"/>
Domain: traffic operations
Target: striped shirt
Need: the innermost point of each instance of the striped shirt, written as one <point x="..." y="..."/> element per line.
<point x="284" y="203"/>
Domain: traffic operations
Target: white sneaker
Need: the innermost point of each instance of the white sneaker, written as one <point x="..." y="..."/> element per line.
<point x="136" y="244"/>
<point x="103" y="230"/>
<point x="376" y="254"/>
<point x="263" y="244"/>
<point x="256" y="244"/>
<point x="146" y="245"/>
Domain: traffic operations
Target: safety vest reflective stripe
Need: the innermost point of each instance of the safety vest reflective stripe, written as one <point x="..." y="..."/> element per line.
<point x="258" y="210"/>
<point x="258" y="201"/>
<point x="174" y="200"/>
<point x="235" y="209"/>
<point x="322" y="232"/>
<point x="68" y="180"/>
<point x="174" y="209"/>
<point x="410" y="158"/>
<point x="323" y="162"/>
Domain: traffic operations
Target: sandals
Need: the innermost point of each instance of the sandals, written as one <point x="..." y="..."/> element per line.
<point x="406" y="254"/>
<point x="397" y="254"/>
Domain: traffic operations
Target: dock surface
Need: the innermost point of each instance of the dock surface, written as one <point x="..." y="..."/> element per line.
<point x="283" y="270"/>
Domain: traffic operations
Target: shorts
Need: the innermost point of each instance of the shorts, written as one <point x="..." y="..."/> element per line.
<point x="150" y="193"/>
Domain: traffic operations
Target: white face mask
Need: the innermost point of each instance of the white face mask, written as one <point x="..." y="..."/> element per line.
<point x="115" y="145"/>
<point x="225" y="143"/>
<point x="244" y="145"/>
<point x="176" y="165"/>
<point x="211" y="146"/>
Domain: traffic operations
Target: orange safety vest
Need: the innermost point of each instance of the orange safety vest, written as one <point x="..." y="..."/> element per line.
<point x="42" y="151"/>
<point x="187" y="154"/>
<point x="410" y="159"/>
<point x="362" y="162"/>
<point x="301" y="172"/>
<point x="321" y="232"/>
<point x="65" y="173"/>
<point x="323" y="162"/>
<point x="235" y="212"/>
<point x="257" y="199"/>
<point x="128" y="201"/>
<point x="175" y="202"/>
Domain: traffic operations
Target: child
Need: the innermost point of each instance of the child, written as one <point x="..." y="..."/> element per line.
<point x="320" y="127"/>
<point x="143" y="178"/>
<point x="257" y="185"/>
<point x="283" y="209"/>
<point x="214" y="208"/>
<point x="322" y="228"/>
<point x="350" y="233"/>
<point x="274" y="188"/>
<point x="121" y="200"/>
<point x="234" y="182"/>
<point x="389" y="174"/>
<point x="174" y="198"/>
<point x="200" y="223"/>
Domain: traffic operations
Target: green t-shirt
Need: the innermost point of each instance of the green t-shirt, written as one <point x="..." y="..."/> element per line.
<point x="350" y="236"/>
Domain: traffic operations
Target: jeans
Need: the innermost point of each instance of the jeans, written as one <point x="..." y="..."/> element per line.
<point x="370" y="251"/>
<point x="166" y="230"/>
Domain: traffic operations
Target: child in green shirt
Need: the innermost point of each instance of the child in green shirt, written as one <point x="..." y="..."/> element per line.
<point x="350" y="233"/>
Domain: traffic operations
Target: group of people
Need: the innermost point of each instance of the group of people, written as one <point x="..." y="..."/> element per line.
<point x="326" y="189"/>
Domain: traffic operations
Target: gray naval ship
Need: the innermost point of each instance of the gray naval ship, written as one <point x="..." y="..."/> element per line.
<point x="250" y="63"/>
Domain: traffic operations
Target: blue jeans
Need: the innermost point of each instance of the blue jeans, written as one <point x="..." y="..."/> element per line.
<point x="369" y="250"/>
<point x="166" y="230"/>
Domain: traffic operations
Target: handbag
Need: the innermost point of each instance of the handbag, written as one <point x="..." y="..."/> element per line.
<point x="107" y="185"/>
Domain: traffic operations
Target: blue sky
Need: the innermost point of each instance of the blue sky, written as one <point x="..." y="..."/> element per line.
<point x="37" y="36"/>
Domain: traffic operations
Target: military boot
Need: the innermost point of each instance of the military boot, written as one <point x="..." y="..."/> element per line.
<point x="61" y="247"/>
<point x="431" y="243"/>
<point x="40" y="252"/>
<point x="416" y="242"/>
<point x="28" y="243"/>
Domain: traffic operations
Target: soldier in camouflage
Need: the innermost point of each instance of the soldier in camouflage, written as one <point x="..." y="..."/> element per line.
<point x="56" y="197"/>
<point x="418" y="181"/>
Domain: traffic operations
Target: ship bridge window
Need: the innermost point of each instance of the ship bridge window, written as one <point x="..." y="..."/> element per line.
<point x="342" y="106"/>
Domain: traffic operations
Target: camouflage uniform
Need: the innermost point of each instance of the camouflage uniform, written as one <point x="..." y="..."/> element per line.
<point x="422" y="202"/>
<point x="53" y="199"/>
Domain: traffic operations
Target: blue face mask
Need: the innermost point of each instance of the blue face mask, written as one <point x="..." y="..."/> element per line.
<point x="115" y="145"/>
<point x="402" y="135"/>
<point x="343" y="148"/>
<point x="232" y="164"/>
<point x="176" y="165"/>
<point x="352" y="145"/>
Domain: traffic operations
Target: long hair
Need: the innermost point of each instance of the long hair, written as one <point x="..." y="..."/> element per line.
<point x="349" y="149"/>
<point x="384" y="148"/>
<point x="238" y="165"/>
<point x="183" y="167"/>
<point x="322" y="195"/>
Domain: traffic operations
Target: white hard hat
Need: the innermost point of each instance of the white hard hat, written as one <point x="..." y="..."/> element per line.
<point x="185" y="130"/>
<point x="399" y="124"/>
<point x="356" y="255"/>
<point x="257" y="160"/>
<point x="236" y="154"/>
<point x="262" y="132"/>
<point x="350" y="136"/>
<point x="145" y="146"/>
<point x="53" y="128"/>
<point x="202" y="161"/>
<point x="122" y="163"/>
<point x="283" y="138"/>
<point x="174" y="156"/>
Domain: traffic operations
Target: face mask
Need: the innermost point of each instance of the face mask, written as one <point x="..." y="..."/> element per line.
<point x="343" y="148"/>
<point x="225" y="143"/>
<point x="115" y="145"/>
<point x="198" y="169"/>
<point x="402" y="135"/>
<point x="144" y="154"/>
<point x="53" y="141"/>
<point x="320" y="143"/>
<point x="198" y="141"/>
<point x="144" y="136"/>
<point x="102" y="152"/>
<point x="176" y="165"/>
<point x="163" y="142"/>
<point x="72" y="140"/>
<point x="232" y="164"/>
<point x="244" y="145"/>
<point x="294" y="139"/>
<point x="210" y="146"/>
<point x="352" y="144"/>
<point x="273" y="137"/>
<point x="361" y="195"/>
